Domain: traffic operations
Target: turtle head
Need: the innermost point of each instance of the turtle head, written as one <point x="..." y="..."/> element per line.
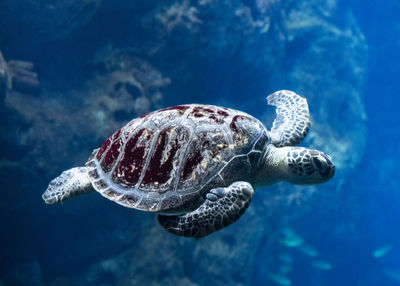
<point x="296" y="165"/>
<point x="307" y="167"/>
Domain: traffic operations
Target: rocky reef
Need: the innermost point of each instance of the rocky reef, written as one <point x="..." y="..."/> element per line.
<point x="109" y="61"/>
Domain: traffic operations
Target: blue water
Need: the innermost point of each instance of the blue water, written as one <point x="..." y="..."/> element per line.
<point x="84" y="52"/>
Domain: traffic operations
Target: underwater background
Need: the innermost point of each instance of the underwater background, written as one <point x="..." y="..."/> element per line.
<point x="75" y="71"/>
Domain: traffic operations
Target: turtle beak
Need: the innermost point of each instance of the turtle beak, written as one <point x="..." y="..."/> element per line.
<point x="329" y="172"/>
<point x="323" y="165"/>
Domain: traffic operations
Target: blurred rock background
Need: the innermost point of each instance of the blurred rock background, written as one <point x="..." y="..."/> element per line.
<point x="101" y="63"/>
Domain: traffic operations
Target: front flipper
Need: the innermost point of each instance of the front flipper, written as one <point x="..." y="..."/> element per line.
<point x="222" y="207"/>
<point x="292" y="120"/>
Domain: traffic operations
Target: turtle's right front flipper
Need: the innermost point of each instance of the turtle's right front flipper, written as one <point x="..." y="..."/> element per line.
<point x="70" y="183"/>
<point x="222" y="207"/>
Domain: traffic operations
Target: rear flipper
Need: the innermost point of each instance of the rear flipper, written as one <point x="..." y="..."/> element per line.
<point x="70" y="183"/>
<point x="222" y="207"/>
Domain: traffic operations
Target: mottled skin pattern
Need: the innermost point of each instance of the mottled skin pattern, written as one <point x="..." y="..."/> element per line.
<point x="222" y="207"/>
<point x="198" y="163"/>
<point x="292" y="120"/>
<point x="303" y="162"/>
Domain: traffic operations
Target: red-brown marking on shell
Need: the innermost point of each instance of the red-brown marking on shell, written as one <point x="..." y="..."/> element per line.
<point x="103" y="148"/>
<point x="94" y="174"/>
<point x="131" y="164"/>
<point x="110" y="193"/>
<point x="234" y="120"/>
<point x="111" y="156"/>
<point x="200" y="111"/>
<point x="106" y="143"/>
<point x="117" y="134"/>
<point x="158" y="172"/>
<point x="191" y="163"/>
<point x="213" y="117"/>
<point x="180" y="108"/>
<point x="209" y="110"/>
<point x="223" y="113"/>
<point x="100" y="184"/>
<point x="130" y="128"/>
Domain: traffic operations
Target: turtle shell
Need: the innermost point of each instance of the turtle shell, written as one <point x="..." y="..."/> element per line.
<point x="167" y="160"/>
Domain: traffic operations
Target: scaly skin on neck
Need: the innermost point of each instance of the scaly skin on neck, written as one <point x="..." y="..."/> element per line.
<point x="296" y="165"/>
<point x="273" y="167"/>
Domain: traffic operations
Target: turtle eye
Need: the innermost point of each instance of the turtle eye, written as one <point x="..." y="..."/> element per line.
<point x="317" y="162"/>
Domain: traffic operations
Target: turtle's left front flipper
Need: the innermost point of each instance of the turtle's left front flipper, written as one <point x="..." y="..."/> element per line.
<point x="292" y="120"/>
<point x="222" y="207"/>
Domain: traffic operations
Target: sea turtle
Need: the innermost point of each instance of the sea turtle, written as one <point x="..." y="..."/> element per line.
<point x="196" y="165"/>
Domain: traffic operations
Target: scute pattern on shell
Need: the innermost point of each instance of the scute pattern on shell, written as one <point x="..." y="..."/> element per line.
<point x="169" y="159"/>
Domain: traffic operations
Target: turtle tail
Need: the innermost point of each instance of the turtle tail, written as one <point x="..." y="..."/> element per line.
<point x="70" y="183"/>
